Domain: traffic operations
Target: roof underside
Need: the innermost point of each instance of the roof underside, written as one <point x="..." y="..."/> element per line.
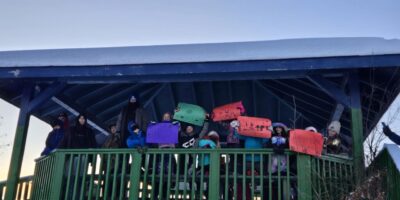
<point x="279" y="89"/>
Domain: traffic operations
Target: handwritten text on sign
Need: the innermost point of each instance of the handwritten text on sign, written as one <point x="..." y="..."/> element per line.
<point x="254" y="127"/>
<point x="228" y="111"/>
<point x="307" y="142"/>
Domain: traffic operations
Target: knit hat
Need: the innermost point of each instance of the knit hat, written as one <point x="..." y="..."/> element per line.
<point x="312" y="129"/>
<point x="335" y="126"/>
<point x="213" y="134"/>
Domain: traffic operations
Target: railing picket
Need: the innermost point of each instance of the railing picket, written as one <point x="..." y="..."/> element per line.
<point x="122" y="192"/>
<point x="144" y="183"/>
<point x="153" y="175"/>
<point x="169" y="176"/>
<point x="270" y="176"/>
<point x="244" y="177"/>
<point x="235" y="185"/>
<point x="226" y="188"/>
<point x="114" y="182"/>
<point x="100" y="177"/>
<point x="177" y="177"/>
<point x="262" y="176"/>
<point x="92" y="174"/>
<point x="192" y="194"/>
<point x="83" y="183"/>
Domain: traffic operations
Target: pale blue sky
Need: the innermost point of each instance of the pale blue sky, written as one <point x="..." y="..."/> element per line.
<point x="47" y="24"/>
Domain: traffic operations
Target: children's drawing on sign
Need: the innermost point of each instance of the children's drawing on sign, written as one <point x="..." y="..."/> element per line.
<point x="254" y="126"/>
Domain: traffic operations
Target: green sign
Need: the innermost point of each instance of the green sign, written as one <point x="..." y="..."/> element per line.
<point x="189" y="113"/>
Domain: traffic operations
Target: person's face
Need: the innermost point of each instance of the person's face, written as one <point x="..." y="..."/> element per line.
<point x="62" y="118"/>
<point x="278" y="130"/>
<point x="82" y="120"/>
<point x="166" y="117"/>
<point x="189" y="129"/>
<point x="132" y="99"/>
<point x="332" y="133"/>
<point x="113" y="129"/>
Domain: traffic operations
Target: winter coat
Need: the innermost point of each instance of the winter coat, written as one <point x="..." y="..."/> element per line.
<point x="53" y="141"/>
<point x="136" y="140"/>
<point x="189" y="141"/>
<point x="112" y="141"/>
<point x="206" y="144"/>
<point x="79" y="137"/>
<point x="252" y="143"/>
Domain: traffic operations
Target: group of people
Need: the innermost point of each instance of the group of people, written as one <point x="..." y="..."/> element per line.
<point x="129" y="131"/>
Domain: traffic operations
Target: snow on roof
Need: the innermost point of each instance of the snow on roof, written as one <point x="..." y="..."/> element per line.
<point x="213" y="52"/>
<point x="394" y="152"/>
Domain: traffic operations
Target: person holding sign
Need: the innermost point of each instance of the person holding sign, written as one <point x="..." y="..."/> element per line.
<point x="333" y="143"/>
<point x="249" y="142"/>
<point x="187" y="139"/>
<point x="279" y="142"/>
<point x="163" y="166"/>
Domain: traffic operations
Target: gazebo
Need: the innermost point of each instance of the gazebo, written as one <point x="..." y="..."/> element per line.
<point x="300" y="82"/>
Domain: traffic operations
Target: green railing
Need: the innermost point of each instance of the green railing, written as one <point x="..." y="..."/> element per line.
<point x="24" y="188"/>
<point x="386" y="162"/>
<point x="332" y="177"/>
<point x="153" y="174"/>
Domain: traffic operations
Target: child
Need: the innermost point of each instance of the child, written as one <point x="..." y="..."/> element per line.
<point x="279" y="142"/>
<point x="136" y="137"/>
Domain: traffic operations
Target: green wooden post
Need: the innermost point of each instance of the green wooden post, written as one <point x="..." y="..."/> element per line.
<point x="19" y="145"/>
<point x="135" y="175"/>
<point x="304" y="177"/>
<point x="213" y="184"/>
<point x="58" y="175"/>
<point x="357" y="128"/>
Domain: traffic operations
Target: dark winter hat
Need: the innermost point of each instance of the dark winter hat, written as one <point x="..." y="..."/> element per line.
<point x="57" y="122"/>
<point x="63" y="114"/>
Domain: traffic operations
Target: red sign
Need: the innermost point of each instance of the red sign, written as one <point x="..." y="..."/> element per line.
<point x="254" y="127"/>
<point x="307" y="142"/>
<point x="228" y="111"/>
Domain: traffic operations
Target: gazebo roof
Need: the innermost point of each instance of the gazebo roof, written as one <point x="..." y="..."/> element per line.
<point x="300" y="82"/>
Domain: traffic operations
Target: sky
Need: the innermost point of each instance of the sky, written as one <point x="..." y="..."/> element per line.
<point x="46" y="24"/>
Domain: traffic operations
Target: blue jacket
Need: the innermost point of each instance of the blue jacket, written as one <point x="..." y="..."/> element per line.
<point x="136" y="140"/>
<point x="251" y="143"/>
<point x="53" y="140"/>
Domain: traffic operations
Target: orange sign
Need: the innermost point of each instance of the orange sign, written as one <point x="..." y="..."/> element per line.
<point x="254" y="127"/>
<point x="228" y="111"/>
<point x="307" y="142"/>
